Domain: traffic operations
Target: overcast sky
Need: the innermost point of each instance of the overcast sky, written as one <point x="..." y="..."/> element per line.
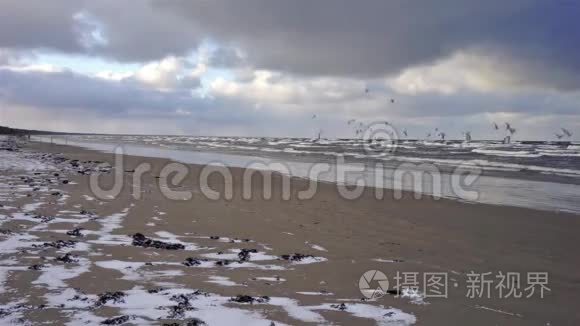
<point x="264" y="68"/>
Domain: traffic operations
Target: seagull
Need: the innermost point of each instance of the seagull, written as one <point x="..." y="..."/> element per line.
<point x="567" y="132"/>
<point x="559" y="136"/>
<point x="313" y="116"/>
<point x="495" y="126"/>
<point x="392" y="100"/>
<point x="405" y="132"/>
<point x="507" y="126"/>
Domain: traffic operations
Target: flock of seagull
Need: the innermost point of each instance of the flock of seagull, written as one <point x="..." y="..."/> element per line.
<point x="360" y="128"/>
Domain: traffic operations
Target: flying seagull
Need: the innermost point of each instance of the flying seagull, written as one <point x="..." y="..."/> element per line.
<point x="567" y="132"/>
<point x="507" y="126"/>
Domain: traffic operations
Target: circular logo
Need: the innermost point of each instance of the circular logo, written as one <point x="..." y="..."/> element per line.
<point x="373" y="284"/>
<point x="380" y="137"/>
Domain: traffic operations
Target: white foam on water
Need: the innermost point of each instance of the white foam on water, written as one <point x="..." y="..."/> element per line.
<point x="506" y="153"/>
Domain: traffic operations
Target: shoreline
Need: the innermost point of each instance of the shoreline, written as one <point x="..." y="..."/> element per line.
<point x="407" y="235"/>
<point x="486" y="189"/>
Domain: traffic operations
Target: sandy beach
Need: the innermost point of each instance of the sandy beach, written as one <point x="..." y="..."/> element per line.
<point x="69" y="257"/>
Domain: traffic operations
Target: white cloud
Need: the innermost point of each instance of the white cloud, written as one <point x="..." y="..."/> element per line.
<point x="462" y="71"/>
<point x="268" y="87"/>
<point x="32" y="68"/>
<point x="169" y="73"/>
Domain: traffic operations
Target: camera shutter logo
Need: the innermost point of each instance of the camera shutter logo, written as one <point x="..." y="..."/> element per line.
<point x="373" y="284"/>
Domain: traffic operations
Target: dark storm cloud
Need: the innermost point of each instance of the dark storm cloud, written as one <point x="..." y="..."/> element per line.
<point x="325" y="37"/>
<point x="26" y="24"/>
<point x="374" y="37"/>
<point x="131" y="30"/>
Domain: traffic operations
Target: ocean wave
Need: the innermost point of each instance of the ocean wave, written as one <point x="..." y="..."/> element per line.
<point x="506" y="153"/>
<point x="269" y="149"/>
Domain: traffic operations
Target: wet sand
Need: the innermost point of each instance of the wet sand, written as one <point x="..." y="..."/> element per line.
<point x="345" y="238"/>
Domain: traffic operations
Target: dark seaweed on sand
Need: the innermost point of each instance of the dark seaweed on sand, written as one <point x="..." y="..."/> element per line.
<point x="341" y="307"/>
<point x="244" y="254"/>
<point x="67" y="259"/>
<point x="36" y="267"/>
<point x="116" y="320"/>
<point x="296" y="257"/>
<point x="193" y="261"/>
<point x="140" y="240"/>
<point x="183" y="304"/>
<point x="43" y="219"/>
<point x="190" y="322"/>
<point x="115" y="297"/>
<point x="75" y="233"/>
<point x="58" y="244"/>
<point x="242" y="298"/>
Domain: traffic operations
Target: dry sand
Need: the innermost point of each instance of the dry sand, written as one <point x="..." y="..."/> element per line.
<point x="346" y="238"/>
